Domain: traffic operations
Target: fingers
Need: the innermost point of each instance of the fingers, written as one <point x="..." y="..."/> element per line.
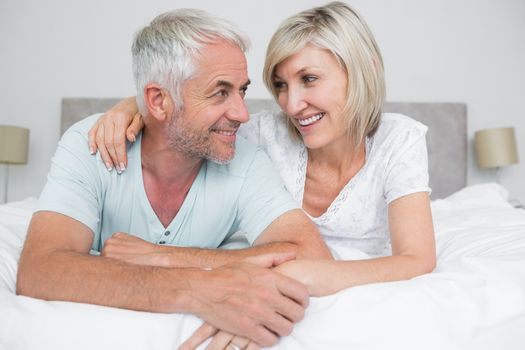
<point x="240" y="342"/>
<point x="136" y="125"/>
<point x="289" y="312"/>
<point x="271" y="260"/>
<point x="263" y="336"/>
<point x="252" y="300"/>
<point x="295" y="295"/>
<point x="253" y="346"/>
<point x="91" y="138"/>
<point x="108" y="136"/>
<point x="101" y="146"/>
<point x="199" y="336"/>
<point x="119" y="147"/>
<point x="109" y="144"/>
<point x="220" y="341"/>
<point x="275" y="324"/>
<point x="120" y="243"/>
<point x="294" y="290"/>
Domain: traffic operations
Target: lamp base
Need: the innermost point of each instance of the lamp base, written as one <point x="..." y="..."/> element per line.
<point x="6" y="181"/>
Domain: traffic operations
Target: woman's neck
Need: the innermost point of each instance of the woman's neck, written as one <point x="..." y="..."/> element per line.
<point x="338" y="157"/>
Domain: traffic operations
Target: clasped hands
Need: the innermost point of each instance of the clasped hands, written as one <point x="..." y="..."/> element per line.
<point x="245" y="305"/>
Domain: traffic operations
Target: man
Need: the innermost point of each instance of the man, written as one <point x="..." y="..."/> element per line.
<point x="189" y="189"/>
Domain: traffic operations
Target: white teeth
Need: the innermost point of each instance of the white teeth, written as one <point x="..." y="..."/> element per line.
<point x="311" y="120"/>
<point x="226" y="133"/>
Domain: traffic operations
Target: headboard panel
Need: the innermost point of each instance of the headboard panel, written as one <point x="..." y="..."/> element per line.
<point x="446" y="137"/>
<point x="446" y="142"/>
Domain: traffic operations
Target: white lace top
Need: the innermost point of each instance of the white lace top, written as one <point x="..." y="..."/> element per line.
<point x="396" y="164"/>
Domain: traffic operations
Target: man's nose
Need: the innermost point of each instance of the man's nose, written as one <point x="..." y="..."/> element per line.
<point x="237" y="110"/>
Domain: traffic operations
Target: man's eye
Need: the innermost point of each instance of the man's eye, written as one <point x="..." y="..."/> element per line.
<point x="221" y="93"/>
<point x="309" y="79"/>
<point x="243" y="91"/>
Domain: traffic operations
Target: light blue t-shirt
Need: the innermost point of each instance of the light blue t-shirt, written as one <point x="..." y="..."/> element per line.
<point x="245" y="195"/>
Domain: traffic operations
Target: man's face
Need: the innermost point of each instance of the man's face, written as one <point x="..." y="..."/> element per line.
<point x="213" y="104"/>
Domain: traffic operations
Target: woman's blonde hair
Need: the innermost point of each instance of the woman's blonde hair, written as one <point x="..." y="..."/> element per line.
<point x="339" y="29"/>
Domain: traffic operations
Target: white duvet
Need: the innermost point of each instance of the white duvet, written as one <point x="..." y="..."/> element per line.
<point x="475" y="298"/>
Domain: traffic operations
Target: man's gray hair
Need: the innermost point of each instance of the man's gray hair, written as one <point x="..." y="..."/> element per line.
<point x="164" y="52"/>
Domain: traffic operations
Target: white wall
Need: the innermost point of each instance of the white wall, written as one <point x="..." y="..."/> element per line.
<point x="470" y="51"/>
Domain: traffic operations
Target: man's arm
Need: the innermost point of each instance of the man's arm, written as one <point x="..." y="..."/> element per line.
<point x="244" y="298"/>
<point x="293" y="231"/>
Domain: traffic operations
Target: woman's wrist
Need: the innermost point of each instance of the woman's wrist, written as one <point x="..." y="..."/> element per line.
<point x="129" y="104"/>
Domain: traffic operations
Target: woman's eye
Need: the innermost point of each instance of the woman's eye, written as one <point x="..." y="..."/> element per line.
<point x="279" y="85"/>
<point x="308" y="79"/>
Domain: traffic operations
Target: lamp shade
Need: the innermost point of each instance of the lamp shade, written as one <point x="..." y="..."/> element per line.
<point x="14" y="142"/>
<point x="496" y="147"/>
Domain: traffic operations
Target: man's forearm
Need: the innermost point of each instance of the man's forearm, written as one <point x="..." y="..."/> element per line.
<point x="232" y="297"/>
<point x="72" y="276"/>
<point x="291" y="232"/>
<point x="211" y="258"/>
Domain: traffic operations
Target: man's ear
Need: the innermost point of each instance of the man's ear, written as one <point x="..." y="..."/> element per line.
<point x="158" y="101"/>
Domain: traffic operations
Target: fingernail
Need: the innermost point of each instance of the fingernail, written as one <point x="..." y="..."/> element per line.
<point x="122" y="167"/>
<point x="108" y="166"/>
<point x="91" y="150"/>
<point x="133" y="138"/>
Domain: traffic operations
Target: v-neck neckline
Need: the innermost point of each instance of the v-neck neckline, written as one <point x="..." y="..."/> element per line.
<point x="188" y="202"/>
<point x="342" y="195"/>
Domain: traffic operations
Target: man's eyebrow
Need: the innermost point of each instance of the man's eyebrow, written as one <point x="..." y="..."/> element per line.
<point x="229" y="85"/>
<point x="224" y="83"/>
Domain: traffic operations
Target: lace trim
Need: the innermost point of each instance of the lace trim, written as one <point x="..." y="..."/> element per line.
<point x="341" y="198"/>
<point x="301" y="179"/>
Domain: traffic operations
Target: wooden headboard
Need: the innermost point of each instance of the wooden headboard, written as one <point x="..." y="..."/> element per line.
<point x="446" y="137"/>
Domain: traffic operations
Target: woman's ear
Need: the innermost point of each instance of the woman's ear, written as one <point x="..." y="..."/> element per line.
<point x="158" y="101"/>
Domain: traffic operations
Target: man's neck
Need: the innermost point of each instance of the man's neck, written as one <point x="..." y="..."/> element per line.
<point x="168" y="175"/>
<point x="164" y="163"/>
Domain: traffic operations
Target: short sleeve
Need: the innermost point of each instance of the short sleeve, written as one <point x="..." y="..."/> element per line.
<point x="407" y="170"/>
<point x="263" y="197"/>
<point x="73" y="183"/>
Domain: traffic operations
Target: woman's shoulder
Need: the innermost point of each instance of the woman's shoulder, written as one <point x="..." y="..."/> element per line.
<point x="397" y="121"/>
<point x="396" y="128"/>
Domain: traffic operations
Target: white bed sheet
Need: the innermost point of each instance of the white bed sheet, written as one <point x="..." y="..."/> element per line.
<point x="475" y="298"/>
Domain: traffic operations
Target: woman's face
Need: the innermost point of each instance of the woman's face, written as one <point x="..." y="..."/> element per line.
<point x="311" y="87"/>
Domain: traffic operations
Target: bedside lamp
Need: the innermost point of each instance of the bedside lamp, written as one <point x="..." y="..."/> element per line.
<point x="496" y="148"/>
<point x="14" y="142"/>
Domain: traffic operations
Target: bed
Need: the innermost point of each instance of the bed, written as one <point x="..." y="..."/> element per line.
<point x="475" y="298"/>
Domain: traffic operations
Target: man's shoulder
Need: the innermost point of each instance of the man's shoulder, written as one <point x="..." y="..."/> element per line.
<point x="81" y="128"/>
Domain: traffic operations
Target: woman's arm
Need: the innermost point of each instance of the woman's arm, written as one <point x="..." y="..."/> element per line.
<point x="413" y="253"/>
<point x="109" y="134"/>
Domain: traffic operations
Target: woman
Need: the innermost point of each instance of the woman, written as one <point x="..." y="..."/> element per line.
<point x="360" y="175"/>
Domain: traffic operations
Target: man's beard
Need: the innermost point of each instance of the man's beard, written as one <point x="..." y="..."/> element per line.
<point x="195" y="144"/>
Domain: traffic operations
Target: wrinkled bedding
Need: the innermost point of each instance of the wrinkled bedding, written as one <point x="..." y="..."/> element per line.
<point x="475" y="298"/>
